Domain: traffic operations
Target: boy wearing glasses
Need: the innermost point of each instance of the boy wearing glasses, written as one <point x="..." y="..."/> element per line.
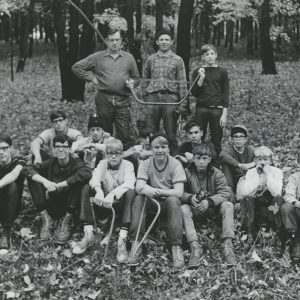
<point x="113" y="183"/>
<point x="11" y="188"/>
<point x="42" y="146"/>
<point x="237" y="158"/>
<point x="58" y="185"/>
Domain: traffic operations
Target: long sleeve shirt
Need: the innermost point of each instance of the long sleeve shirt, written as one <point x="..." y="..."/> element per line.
<point x="292" y="190"/>
<point x="116" y="181"/>
<point x="215" y="88"/>
<point x="168" y="73"/>
<point x="73" y="173"/>
<point x="232" y="157"/>
<point x="110" y="72"/>
<point x="254" y="184"/>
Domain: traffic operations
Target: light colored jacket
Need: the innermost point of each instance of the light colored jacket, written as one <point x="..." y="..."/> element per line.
<point x="292" y="191"/>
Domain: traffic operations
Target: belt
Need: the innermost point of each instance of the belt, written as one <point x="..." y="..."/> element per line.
<point x="212" y="107"/>
<point x="162" y="92"/>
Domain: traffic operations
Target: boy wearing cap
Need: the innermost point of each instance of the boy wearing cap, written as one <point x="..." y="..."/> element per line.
<point x="237" y="158"/>
<point x="162" y="178"/>
<point x="92" y="148"/>
<point x="290" y="213"/>
<point x="260" y="193"/>
<point x="113" y="183"/>
<point x="194" y="134"/>
<point x="57" y="186"/>
<point x="42" y="146"/>
<point x="164" y="68"/>
<point x="11" y="188"/>
<point x="206" y="194"/>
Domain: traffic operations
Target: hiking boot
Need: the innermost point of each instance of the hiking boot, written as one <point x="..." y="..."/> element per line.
<point x="134" y="256"/>
<point x="294" y="248"/>
<point x="196" y="253"/>
<point x="177" y="255"/>
<point x="86" y="242"/>
<point x="63" y="231"/>
<point x="228" y="252"/>
<point x="5" y="239"/>
<point x="45" y="233"/>
<point x="122" y="255"/>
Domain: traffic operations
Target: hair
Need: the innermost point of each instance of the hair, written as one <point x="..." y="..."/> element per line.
<point x="114" y="144"/>
<point x="57" y="114"/>
<point x="161" y="140"/>
<point x="62" y="138"/>
<point x="112" y="31"/>
<point x="205" y="48"/>
<point x="191" y="124"/>
<point x="5" y="138"/>
<point x="95" y="121"/>
<point x="263" y="151"/>
<point x="162" y="32"/>
<point x="202" y="150"/>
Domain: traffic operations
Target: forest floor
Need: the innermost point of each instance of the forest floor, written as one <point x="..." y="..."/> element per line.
<point x="269" y="105"/>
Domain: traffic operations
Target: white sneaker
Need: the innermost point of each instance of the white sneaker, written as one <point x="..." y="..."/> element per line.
<point x="86" y="242"/>
<point x="122" y="255"/>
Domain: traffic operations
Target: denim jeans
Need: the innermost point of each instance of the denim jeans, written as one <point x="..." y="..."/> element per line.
<point x="116" y="110"/>
<point x="211" y="116"/>
<point x="232" y="174"/>
<point x="155" y="113"/>
<point x="225" y="209"/>
<point x="290" y="217"/>
<point x="170" y="212"/>
<point x="10" y="203"/>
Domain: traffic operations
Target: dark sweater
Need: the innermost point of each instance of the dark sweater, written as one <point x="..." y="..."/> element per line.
<point x="215" y="88"/>
<point x="231" y="157"/>
<point x="74" y="172"/>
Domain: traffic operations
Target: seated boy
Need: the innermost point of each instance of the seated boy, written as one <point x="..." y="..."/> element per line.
<point x="290" y="213"/>
<point x="259" y="190"/>
<point x="11" y="188"/>
<point x="42" y="146"/>
<point x="237" y="158"/>
<point x="58" y="184"/>
<point x="160" y="177"/>
<point x="206" y="194"/>
<point x="113" y="183"/>
<point x="92" y="148"/>
<point x="194" y="134"/>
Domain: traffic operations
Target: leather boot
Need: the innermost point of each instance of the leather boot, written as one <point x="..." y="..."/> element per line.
<point x="45" y="233"/>
<point x="177" y="255"/>
<point x="229" y="252"/>
<point x="63" y="231"/>
<point x="134" y="256"/>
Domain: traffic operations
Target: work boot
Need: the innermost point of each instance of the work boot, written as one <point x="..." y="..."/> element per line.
<point x="122" y="255"/>
<point x="63" y="231"/>
<point x="5" y="239"/>
<point x="228" y="252"/>
<point x="134" y="256"/>
<point x="196" y="253"/>
<point x="86" y="242"/>
<point x="294" y="248"/>
<point x="45" y="233"/>
<point x="177" y="255"/>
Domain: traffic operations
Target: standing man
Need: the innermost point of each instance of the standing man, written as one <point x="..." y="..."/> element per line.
<point x="164" y="68"/>
<point x="112" y="72"/>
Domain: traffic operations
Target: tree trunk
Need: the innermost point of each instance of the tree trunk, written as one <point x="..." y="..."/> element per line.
<point x="215" y="34"/>
<point x="138" y="39"/>
<point x="255" y="37"/>
<point x="237" y="29"/>
<point x="206" y="22"/>
<point x="159" y="16"/>
<point x="129" y="18"/>
<point x="41" y="27"/>
<point x="231" y="34"/>
<point x="266" y="46"/>
<point x="16" y="27"/>
<point x="220" y="34"/>
<point x="26" y="18"/>
<point x="249" y="24"/>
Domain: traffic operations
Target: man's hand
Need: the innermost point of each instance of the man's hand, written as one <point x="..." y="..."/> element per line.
<point x="50" y="186"/>
<point x="109" y="200"/>
<point x="130" y="83"/>
<point x="223" y="120"/>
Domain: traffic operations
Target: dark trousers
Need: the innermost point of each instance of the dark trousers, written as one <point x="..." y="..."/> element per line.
<point x="116" y="110"/>
<point x="255" y="212"/>
<point x="170" y="213"/>
<point x="290" y="217"/>
<point x="57" y="203"/>
<point x="232" y="174"/>
<point x="157" y="112"/>
<point x="10" y="202"/>
<point x="211" y="116"/>
<point x="122" y="208"/>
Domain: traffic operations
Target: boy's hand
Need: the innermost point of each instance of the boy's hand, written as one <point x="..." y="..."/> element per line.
<point x="202" y="206"/>
<point x="109" y="200"/>
<point x="260" y="168"/>
<point x="99" y="198"/>
<point x="189" y="156"/>
<point x="50" y="186"/>
<point x="201" y="72"/>
<point x="223" y="120"/>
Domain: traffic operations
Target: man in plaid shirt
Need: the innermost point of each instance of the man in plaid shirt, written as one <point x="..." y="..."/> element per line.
<point x="168" y="85"/>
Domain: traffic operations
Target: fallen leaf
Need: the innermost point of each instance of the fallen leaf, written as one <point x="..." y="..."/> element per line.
<point x="94" y="295"/>
<point x="255" y="256"/>
<point x="26" y="233"/>
<point x="27" y="279"/>
<point x="26" y="269"/>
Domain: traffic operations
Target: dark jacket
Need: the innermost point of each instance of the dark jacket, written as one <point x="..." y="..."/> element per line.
<point x="217" y="185"/>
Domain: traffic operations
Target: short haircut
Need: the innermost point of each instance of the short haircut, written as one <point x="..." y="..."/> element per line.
<point x="160" y="137"/>
<point x="191" y="124"/>
<point x="62" y="138"/>
<point x="5" y="138"/>
<point x="114" y="144"/>
<point x="112" y="31"/>
<point x="57" y="114"/>
<point x="263" y="151"/>
<point x="162" y="32"/>
<point x="205" y="48"/>
<point x="202" y="150"/>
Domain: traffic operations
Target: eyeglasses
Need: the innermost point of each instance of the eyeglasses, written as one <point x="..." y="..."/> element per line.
<point x="110" y="154"/>
<point x="56" y="121"/>
<point x="239" y="137"/>
<point x="5" y="148"/>
<point x="62" y="147"/>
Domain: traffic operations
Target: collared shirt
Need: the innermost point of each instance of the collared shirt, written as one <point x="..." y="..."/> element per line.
<point x="111" y="72"/>
<point x="292" y="190"/>
<point x="164" y="68"/>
